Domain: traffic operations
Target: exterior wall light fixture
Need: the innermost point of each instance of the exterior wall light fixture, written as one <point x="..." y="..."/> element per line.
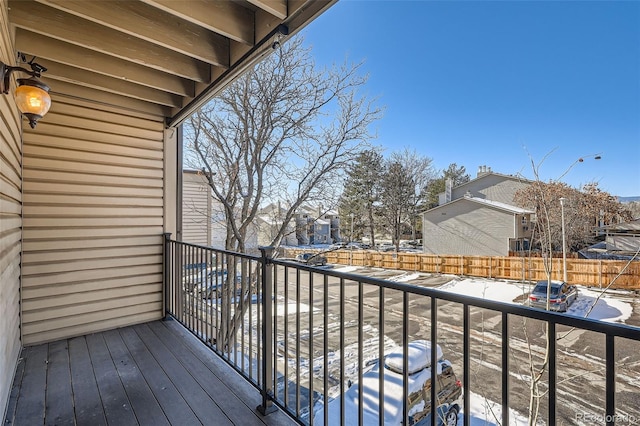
<point x="32" y="95"/>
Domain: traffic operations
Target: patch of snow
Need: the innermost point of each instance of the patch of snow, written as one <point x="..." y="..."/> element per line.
<point x="488" y="413"/>
<point x="500" y="291"/>
<point x="346" y="269"/>
<point x="607" y="308"/>
<point x="293" y="308"/>
<point x="404" y="277"/>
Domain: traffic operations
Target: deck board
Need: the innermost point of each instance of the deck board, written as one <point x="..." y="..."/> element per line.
<point x="143" y="402"/>
<point x="172" y="402"/>
<point x="149" y="374"/>
<point x="31" y="398"/>
<point x="200" y="402"/>
<point x="209" y="382"/>
<point x="15" y="390"/>
<point x="86" y="397"/>
<point x="117" y="407"/>
<point x="59" y="396"/>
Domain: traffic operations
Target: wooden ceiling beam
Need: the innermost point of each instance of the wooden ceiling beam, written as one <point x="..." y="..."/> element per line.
<point x="110" y="99"/>
<point x="221" y="16"/>
<point x="60" y="72"/>
<point x="74" y="30"/>
<point x="153" y="25"/>
<point x="277" y="8"/>
<point x="55" y="50"/>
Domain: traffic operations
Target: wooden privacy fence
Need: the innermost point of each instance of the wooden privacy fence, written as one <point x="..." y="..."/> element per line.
<point x="593" y="273"/>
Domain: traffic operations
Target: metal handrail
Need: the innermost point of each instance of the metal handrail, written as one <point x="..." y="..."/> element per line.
<point x="259" y="347"/>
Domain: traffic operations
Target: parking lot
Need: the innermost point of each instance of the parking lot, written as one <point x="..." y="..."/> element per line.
<point x="579" y="355"/>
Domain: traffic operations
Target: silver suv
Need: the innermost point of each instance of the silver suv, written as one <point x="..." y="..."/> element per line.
<point x="562" y="295"/>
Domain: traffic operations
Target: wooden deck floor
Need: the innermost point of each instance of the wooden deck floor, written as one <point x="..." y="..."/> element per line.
<point x="149" y="374"/>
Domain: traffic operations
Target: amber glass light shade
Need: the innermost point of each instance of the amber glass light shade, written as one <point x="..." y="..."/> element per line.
<point x="32" y="99"/>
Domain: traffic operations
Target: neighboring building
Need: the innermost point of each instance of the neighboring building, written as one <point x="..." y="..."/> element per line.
<point x="203" y="219"/>
<point x="479" y="218"/>
<point x="196" y="208"/>
<point x="623" y="237"/>
<point x="269" y="221"/>
<point x="622" y="241"/>
<point x="315" y="226"/>
<point x="489" y="185"/>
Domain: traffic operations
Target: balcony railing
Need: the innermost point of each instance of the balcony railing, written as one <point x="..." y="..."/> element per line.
<point x="303" y="335"/>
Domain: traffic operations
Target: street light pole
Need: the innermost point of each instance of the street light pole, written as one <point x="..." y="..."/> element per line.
<point x="351" y="236"/>
<point x="564" y="243"/>
<point x="351" y="240"/>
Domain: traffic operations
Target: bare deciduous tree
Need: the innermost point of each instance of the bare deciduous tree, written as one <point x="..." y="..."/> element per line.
<point x="283" y="132"/>
<point x="588" y="209"/>
<point x="584" y="210"/>
<point x="404" y="183"/>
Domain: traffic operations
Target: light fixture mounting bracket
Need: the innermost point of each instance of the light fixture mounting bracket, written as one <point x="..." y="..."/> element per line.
<point x="6" y="70"/>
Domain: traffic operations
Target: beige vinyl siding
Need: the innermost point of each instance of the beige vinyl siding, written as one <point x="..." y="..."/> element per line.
<point x="93" y="220"/>
<point x="465" y="228"/>
<point x="196" y="209"/>
<point x="10" y="224"/>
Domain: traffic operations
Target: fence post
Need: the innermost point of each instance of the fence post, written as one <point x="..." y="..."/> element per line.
<point x="600" y="273"/>
<point x="490" y="266"/>
<point x="267" y="406"/>
<point x="166" y="273"/>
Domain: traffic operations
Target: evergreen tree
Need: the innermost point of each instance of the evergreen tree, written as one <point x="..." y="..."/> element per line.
<point x="361" y="192"/>
<point x="458" y="176"/>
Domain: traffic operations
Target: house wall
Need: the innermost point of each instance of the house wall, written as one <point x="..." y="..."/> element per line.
<point x="196" y="209"/>
<point x="491" y="187"/>
<point x="523" y="230"/>
<point x="10" y="224"/>
<point x="94" y="213"/>
<point x="467" y="228"/>
<point x="629" y="243"/>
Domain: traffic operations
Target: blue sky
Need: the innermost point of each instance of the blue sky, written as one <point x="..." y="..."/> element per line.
<point x="500" y="83"/>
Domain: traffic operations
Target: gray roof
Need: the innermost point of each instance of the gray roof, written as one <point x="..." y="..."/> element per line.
<point x="493" y="204"/>
<point x="485" y="175"/>
<point x="499" y="205"/>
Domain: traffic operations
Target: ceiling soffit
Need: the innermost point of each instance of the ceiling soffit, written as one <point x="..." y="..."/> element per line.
<point x="161" y="57"/>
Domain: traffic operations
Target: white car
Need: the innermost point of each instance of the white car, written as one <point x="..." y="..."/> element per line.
<point x="419" y="390"/>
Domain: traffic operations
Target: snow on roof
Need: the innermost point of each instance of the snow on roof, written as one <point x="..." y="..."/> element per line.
<point x="269" y="220"/>
<point x="419" y="356"/>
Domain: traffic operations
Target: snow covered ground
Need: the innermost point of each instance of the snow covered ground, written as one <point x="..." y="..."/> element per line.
<point x="612" y="306"/>
<point x="608" y="308"/>
<point x="488" y="413"/>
